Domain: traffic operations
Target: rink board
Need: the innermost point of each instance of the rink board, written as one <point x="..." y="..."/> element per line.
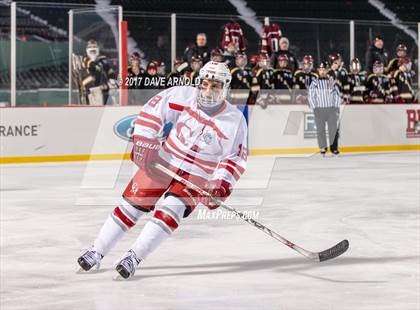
<point x="101" y="133"/>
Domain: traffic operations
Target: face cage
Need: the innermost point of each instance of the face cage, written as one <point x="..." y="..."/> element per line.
<point x="215" y="97"/>
<point x="92" y="53"/>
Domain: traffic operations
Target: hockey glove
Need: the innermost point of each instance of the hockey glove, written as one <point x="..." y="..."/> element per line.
<point x="219" y="189"/>
<point x="145" y="152"/>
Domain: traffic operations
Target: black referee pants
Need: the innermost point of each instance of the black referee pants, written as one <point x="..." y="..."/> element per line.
<point x="328" y="116"/>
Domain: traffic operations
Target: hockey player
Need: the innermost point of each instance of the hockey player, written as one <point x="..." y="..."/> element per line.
<point x="262" y="79"/>
<point x="283" y="80"/>
<point x="241" y="74"/>
<point x="356" y="80"/>
<point x="302" y="79"/>
<point x="402" y="81"/>
<point x="339" y="73"/>
<point x="284" y="50"/>
<point x="230" y="55"/>
<point x="241" y="80"/>
<point x="207" y="145"/>
<point x="253" y="61"/>
<point x="393" y="63"/>
<point x="378" y="86"/>
<point x="97" y="76"/>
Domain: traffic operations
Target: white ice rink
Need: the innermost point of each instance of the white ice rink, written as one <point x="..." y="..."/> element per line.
<point x="49" y="212"/>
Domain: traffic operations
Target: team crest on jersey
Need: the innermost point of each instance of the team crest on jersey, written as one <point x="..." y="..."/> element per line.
<point x="134" y="188"/>
<point x="207" y="138"/>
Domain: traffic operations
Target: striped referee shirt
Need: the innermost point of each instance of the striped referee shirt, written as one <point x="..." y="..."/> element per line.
<point x="324" y="93"/>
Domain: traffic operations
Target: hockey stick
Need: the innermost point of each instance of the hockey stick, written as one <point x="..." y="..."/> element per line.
<point x="330" y="253"/>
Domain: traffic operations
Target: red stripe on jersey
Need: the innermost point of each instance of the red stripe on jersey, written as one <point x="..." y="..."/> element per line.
<point x="151" y="117"/>
<point x="201" y="161"/>
<point x="167" y="149"/>
<point x="118" y="213"/>
<point x="206" y="122"/>
<point x="167" y="219"/>
<point x="147" y="124"/>
<point x="176" y="107"/>
<point x="232" y="163"/>
<point x="231" y="170"/>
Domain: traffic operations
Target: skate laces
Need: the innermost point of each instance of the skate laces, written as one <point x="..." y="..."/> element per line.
<point x="130" y="262"/>
<point x="92" y="257"/>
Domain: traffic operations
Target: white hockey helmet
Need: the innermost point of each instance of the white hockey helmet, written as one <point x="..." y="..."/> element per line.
<point x="214" y="71"/>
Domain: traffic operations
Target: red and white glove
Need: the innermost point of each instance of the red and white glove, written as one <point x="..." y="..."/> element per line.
<point x="219" y="189"/>
<point x="145" y="152"/>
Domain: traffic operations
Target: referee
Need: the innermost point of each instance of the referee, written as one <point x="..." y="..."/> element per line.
<point x="324" y="98"/>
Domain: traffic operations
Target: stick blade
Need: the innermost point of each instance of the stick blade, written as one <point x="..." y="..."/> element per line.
<point x="334" y="251"/>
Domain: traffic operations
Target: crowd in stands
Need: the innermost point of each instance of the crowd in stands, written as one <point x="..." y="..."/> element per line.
<point x="276" y="67"/>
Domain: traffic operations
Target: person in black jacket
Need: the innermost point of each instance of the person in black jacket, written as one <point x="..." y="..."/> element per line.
<point x="376" y="53"/>
<point x="199" y="49"/>
<point x="284" y="50"/>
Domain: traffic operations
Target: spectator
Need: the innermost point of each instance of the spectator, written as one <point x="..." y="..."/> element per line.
<point x="192" y="74"/>
<point x="174" y="78"/>
<point x="284" y="50"/>
<point x="199" y="49"/>
<point x="216" y="54"/>
<point x="152" y="78"/>
<point x="376" y="52"/>
<point x="135" y="73"/>
<point x="161" y="51"/>
<point x="135" y="80"/>
<point x="325" y="100"/>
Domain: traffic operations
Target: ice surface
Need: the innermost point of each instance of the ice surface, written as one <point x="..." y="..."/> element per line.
<point x="49" y="212"/>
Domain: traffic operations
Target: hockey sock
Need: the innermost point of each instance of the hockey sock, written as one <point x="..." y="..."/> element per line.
<point x="165" y="220"/>
<point x="122" y="218"/>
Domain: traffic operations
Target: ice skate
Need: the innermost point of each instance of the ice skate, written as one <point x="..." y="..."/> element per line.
<point x="90" y="259"/>
<point x="126" y="266"/>
<point x="335" y="152"/>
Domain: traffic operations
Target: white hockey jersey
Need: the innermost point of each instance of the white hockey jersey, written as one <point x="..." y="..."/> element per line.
<point x="213" y="147"/>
